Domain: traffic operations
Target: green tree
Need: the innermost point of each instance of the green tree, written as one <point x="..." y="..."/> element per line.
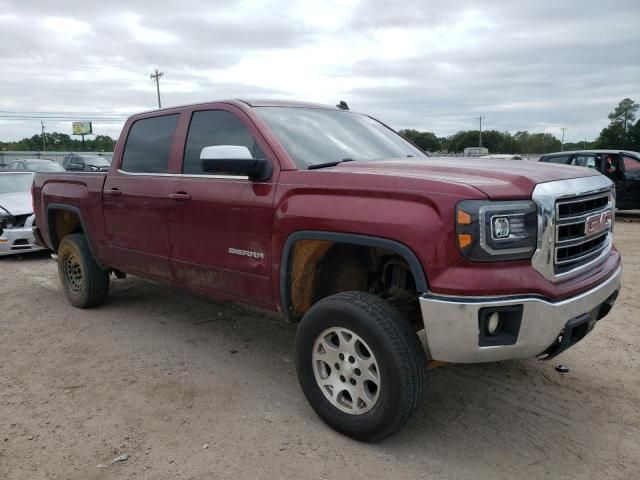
<point x="620" y="132"/>
<point x="61" y="142"/>
<point x="426" y="141"/>
<point x="624" y="113"/>
<point x="634" y="137"/>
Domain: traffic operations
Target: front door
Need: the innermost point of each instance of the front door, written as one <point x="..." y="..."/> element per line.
<point x="136" y="198"/>
<point x="220" y="226"/>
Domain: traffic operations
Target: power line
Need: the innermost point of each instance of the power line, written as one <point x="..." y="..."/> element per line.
<point x="156" y="76"/>
<point x="63" y="119"/>
<point x="62" y="112"/>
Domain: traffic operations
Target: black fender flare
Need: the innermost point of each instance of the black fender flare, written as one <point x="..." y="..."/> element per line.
<point x="55" y="241"/>
<point x="350" y="238"/>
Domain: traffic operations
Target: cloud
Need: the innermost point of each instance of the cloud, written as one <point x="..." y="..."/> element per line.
<point x="423" y="64"/>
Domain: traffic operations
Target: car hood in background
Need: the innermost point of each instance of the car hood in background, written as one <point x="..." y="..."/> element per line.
<point x="16" y="203"/>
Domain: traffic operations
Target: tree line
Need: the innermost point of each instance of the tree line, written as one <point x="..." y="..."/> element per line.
<point x="621" y="133"/>
<point x="61" y="142"/>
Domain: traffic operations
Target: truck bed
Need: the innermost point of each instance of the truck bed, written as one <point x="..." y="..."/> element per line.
<point x="80" y="193"/>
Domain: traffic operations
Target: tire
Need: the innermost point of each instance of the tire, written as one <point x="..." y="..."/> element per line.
<point x="389" y="382"/>
<point x="84" y="283"/>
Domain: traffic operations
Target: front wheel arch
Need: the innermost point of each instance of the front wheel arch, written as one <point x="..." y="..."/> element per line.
<point x="399" y="249"/>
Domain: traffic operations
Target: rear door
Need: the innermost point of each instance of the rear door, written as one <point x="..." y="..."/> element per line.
<point x="220" y="226"/>
<point x="135" y="198"/>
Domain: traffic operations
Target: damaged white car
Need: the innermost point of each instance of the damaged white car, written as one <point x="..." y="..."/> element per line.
<point x="16" y="214"/>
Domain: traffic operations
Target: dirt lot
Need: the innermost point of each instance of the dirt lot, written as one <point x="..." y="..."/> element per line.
<point x="160" y="374"/>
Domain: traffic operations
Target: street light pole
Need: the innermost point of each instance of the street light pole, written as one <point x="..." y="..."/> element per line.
<point x="44" y="140"/>
<point x="480" y="118"/>
<point x="562" y="143"/>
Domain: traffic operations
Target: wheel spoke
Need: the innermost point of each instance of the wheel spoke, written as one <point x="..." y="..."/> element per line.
<point x="328" y="353"/>
<point x="370" y="372"/>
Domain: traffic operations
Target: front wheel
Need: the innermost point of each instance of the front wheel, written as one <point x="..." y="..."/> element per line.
<point x="360" y="365"/>
<point x="84" y="283"/>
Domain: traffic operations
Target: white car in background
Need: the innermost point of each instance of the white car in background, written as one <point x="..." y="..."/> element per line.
<point x="16" y="214"/>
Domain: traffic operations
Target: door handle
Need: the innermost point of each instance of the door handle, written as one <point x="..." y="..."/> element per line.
<point x="180" y="197"/>
<point x="114" y="192"/>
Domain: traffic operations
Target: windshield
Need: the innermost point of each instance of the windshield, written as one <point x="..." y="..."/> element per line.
<point x="313" y="136"/>
<point x="15" y="182"/>
<point x="44" y="167"/>
<point x="96" y="161"/>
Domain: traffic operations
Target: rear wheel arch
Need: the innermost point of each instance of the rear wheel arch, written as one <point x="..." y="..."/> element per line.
<point x="319" y="245"/>
<point x="63" y="220"/>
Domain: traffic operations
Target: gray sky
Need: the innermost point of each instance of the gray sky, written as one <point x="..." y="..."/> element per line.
<point x="534" y="65"/>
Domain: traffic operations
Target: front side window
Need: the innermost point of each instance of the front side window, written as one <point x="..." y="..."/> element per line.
<point x="314" y="136"/>
<point x="149" y="145"/>
<point x="215" y="127"/>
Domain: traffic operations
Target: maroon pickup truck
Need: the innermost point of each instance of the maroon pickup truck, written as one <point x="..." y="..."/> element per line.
<point x="386" y="257"/>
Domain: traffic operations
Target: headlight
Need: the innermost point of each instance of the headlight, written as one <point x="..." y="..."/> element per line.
<point x="496" y="231"/>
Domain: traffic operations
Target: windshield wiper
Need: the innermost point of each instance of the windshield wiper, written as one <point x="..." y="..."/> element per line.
<point x="329" y="164"/>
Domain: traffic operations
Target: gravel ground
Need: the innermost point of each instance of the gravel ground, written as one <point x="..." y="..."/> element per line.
<point x="192" y="388"/>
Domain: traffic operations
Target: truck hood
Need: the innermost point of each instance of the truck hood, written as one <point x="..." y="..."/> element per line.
<point x="496" y="178"/>
<point x="16" y="203"/>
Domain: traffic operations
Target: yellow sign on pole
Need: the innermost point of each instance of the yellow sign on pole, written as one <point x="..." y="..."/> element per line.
<point x="82" y="128"/>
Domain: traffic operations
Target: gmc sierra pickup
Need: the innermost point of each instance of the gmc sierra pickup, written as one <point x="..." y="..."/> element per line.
<point x="387" y="258"/>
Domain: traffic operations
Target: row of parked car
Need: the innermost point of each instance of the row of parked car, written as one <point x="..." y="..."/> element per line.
<point x="16" y="210"/>
<point x="72" y="162"/>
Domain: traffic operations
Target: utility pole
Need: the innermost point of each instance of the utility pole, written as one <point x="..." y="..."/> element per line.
<point x="156" y="76"/>
<point x="480" y="137"/>
<point x="44" y="140"/>
<point x="584" y="144"/>
<point x="562" y="143"/>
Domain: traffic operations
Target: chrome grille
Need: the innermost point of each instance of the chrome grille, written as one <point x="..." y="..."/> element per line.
<point x="568" y="246"/>
<point x="574" y="246"/>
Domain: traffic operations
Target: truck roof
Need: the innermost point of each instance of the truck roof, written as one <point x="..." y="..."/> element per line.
<point x="244" y="103"/>
<point x="600" y="150"/>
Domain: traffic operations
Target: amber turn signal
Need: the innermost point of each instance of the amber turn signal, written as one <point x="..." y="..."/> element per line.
<point x="464" y="240"/>
<point x="464" y="218"/>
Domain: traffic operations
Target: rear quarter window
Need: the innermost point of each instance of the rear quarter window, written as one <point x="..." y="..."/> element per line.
<point x="149" y="145"/>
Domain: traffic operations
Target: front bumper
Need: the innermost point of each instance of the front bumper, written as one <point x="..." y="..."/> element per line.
<point x="19" y="240"/>
<point x="453" y="324"/>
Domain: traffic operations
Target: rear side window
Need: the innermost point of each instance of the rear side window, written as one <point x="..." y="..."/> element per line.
<point x="215" y="127"/>
<point x="149" y="145"/>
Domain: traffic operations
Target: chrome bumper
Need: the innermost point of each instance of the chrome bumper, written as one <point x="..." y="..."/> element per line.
<point x="453" y="331"/>
<point x="19" y="240"/>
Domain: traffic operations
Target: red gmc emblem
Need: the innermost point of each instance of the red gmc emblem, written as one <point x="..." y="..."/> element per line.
<point x="597" y="223"/>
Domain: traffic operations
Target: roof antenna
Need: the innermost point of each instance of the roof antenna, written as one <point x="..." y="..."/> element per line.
<point x="343" y="105"/>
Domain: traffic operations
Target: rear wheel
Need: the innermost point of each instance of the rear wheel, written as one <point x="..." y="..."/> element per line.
<point x="84" y="283"/>
<point x="360" y="365"/>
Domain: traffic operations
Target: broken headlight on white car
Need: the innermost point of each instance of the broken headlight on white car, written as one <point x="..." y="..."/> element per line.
<point x="6" y="219"/>
<point x="489" y="231"/>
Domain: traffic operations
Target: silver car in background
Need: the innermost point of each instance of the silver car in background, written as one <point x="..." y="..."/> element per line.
<point x="16" y="213"/>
